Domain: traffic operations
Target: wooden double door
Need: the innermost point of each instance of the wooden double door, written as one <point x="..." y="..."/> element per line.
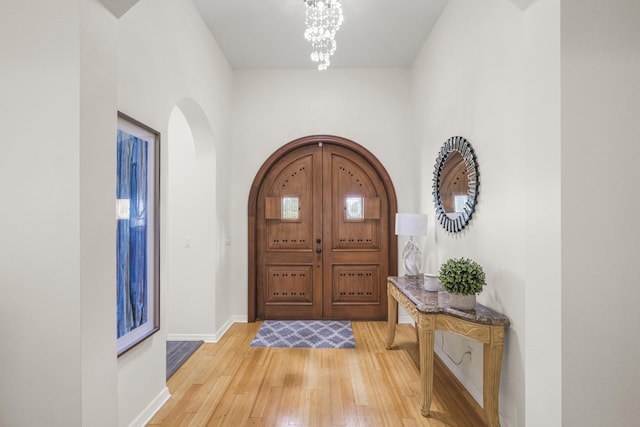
<point x="322" y="236"/>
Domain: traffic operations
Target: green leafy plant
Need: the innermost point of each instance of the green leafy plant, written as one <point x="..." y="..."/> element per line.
<point x="462" y="276"/>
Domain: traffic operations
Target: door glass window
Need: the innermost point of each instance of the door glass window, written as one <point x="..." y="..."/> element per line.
<point x="290" y="208"/>
<point x="354" y="207"/>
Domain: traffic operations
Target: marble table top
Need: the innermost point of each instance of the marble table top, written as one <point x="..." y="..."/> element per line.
<point x="438" y="302"/>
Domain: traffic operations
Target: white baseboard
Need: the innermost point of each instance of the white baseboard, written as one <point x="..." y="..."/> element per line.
<point x="466" y="382"/>
<point x="153" y="407"/>
<point x="211" y="338"/>
<point x="192" y="337"/>
<point x="224" y="328"/>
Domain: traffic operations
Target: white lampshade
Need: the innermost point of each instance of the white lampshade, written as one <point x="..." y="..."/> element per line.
<point x="408" y="224"/>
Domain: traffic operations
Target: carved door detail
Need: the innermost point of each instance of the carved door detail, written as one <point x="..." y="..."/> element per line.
<point x="322" y="237"/>
<point x="289" y="223"/>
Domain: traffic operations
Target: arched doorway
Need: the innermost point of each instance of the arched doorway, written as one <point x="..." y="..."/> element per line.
<point x="321" y="232"/>
<point x="190" y="229"/>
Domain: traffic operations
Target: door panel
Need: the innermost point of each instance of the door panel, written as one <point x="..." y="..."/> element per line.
<point x="355" y="230"/>
<point x="356" y="284"/>
<point x="322" y="237"/>
<point x="289" y="284"/>
<point x="289" y="276"/>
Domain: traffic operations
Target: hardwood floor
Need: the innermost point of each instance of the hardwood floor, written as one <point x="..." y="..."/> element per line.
<point x="230" y="383"/>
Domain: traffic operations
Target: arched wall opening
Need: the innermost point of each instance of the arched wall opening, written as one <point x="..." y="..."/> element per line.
<point x="191" y="253"/>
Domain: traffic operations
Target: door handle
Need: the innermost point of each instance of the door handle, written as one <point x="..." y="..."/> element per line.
<point x="318" y="241"/>
<point x="318" y="250"/>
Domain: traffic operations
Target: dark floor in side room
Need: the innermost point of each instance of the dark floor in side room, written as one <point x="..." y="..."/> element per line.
<point x="178" y="352"/>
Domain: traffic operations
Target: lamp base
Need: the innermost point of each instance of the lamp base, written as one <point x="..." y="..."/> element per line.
<point x="412" y="259"/>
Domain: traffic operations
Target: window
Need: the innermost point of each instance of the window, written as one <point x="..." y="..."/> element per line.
<point x="290" y="208"/>
<point x="354" y="208"/>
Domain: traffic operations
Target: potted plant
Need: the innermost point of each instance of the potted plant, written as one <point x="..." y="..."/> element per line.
<point x="463" y="279"/>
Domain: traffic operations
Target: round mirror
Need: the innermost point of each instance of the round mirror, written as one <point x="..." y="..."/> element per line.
<point x="455" y="184"/>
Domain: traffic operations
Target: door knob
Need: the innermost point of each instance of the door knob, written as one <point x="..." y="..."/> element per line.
<point x="318" y="250"/>
<point x="318" y="241"/>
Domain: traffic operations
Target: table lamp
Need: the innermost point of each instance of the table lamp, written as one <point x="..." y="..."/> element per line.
<point x="411" y="225"/>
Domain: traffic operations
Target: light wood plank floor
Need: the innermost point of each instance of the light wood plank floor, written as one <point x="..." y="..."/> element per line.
<point x="230" y="383"/>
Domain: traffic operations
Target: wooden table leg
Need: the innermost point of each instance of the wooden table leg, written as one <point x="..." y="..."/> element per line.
<point x="491" y="376"/>
<point x="392" y="318"/>
<point x="426" y="327"/>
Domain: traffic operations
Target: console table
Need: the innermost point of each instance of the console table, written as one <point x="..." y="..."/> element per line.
<point x="431" y="312"/>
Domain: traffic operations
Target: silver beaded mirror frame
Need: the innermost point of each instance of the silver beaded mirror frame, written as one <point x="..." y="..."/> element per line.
<point x="455" y="184"/>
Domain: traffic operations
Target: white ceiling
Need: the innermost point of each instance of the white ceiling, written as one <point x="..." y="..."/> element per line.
<point x="269" y="33"/>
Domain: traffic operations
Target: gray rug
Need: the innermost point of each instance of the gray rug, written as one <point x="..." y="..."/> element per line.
<point x="305" y="334"/>
<point x="178" y="352"/>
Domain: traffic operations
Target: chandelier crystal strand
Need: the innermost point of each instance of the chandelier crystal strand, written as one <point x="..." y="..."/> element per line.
<point x="323" y="20"/>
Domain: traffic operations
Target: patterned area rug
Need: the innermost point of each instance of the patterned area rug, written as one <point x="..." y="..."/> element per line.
<point x="305" y="334"/>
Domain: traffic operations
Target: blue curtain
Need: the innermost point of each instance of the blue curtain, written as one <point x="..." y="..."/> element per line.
<point x="132" y="233"/>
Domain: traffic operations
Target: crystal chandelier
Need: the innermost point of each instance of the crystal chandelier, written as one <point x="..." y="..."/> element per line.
<point x="323" y="20"/>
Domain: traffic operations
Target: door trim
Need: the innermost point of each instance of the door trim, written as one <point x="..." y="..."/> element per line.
<point x="257" y="183"/>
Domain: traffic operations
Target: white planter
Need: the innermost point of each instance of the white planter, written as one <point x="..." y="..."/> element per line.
<point x="462" y="302"/>
<point x="432" y="283"/>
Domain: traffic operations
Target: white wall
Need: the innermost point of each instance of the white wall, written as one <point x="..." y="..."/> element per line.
<point x="469" y="80"/>
<point x="274" y="107"/>
<point x="58" y="358"/>
<point x="40" y="244"/>
<point x="543" y="351"/>
<point x="600" y="227"/>
<point x="98" y="104"/>
<point x="50" y="343"/>
<point x="167" y="57"/>
<point x="191" y="234"/>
